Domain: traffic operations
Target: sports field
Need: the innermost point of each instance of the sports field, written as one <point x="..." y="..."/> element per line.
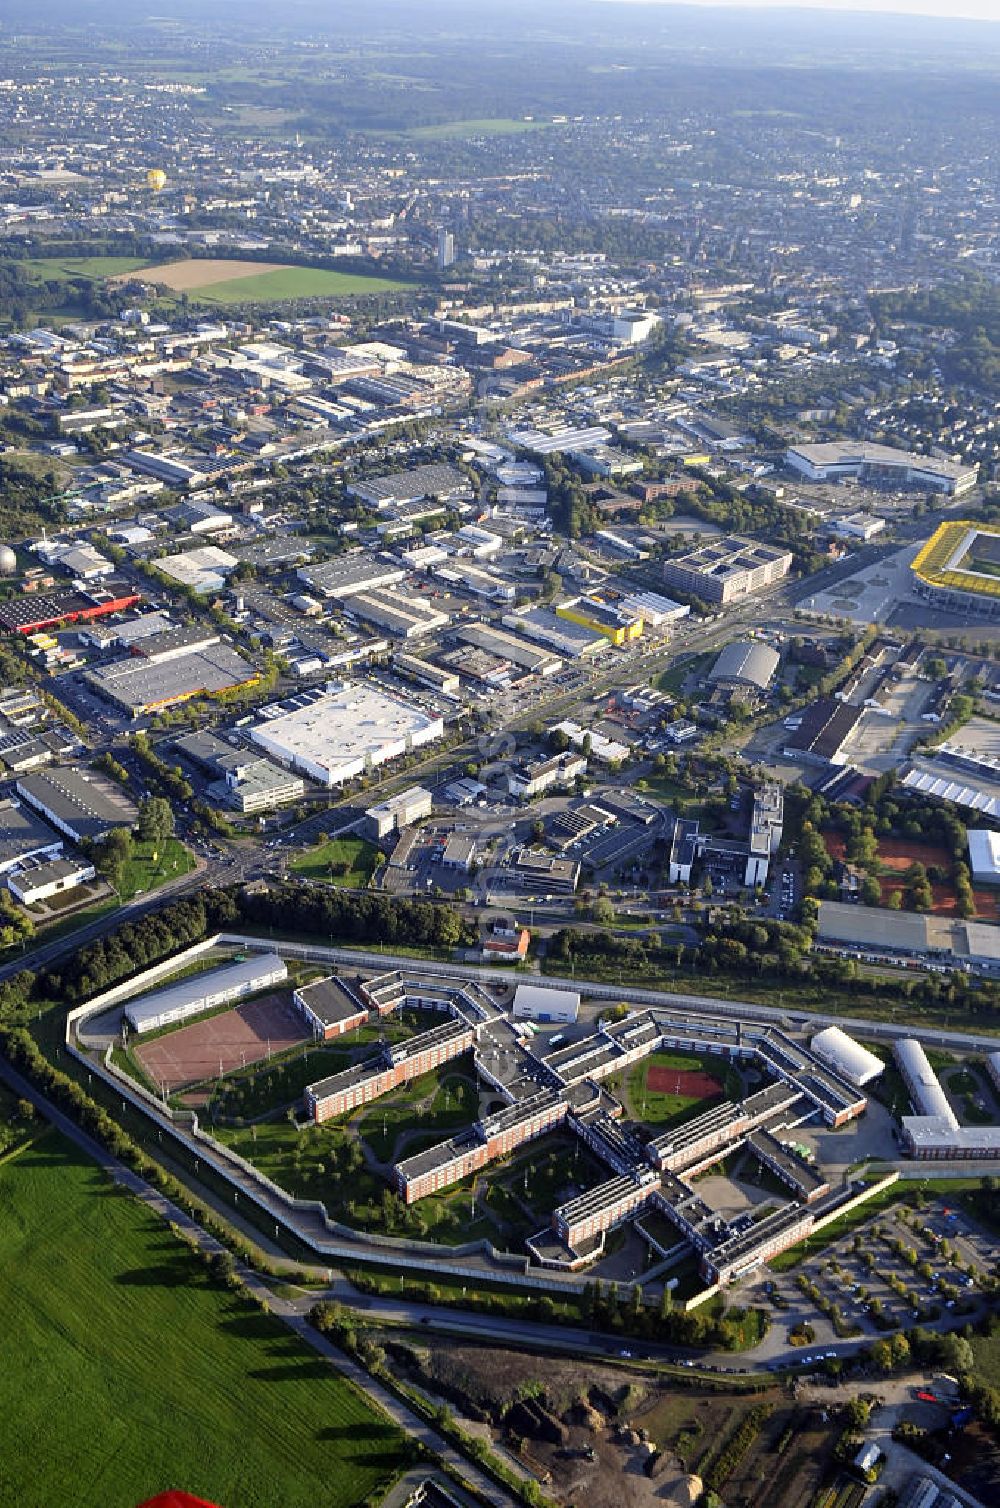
<point x="217" y="280"/>
<point x="125" y="1371"/>
<point x="212" y="1047"/>
<point x="669" y="1085"/>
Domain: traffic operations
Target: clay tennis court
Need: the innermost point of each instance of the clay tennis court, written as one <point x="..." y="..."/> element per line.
<point x="690" y="1082"/>
<point x="243" y="1035"/>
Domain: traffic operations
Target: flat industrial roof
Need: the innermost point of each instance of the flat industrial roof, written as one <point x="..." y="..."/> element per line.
<point x="338" y="728"/>
<point x="240" y="975"/>
<point x="87" y="803"/>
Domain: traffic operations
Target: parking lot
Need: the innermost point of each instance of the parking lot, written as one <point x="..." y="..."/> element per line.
<point x="902" y="1268"/>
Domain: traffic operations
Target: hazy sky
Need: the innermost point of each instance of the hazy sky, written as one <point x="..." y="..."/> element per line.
<point x="979" y="10"/>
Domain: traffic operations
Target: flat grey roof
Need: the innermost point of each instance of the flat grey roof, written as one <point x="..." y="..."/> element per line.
<point x="89" y="804"/>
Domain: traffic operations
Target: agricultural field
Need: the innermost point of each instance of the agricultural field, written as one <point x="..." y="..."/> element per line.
<point x="464" y="129"/>
<point x="94" y="1295"/>
<point x="93" y="269"/>
<point x="224" y="281"/>
<point x="348" y="863"/>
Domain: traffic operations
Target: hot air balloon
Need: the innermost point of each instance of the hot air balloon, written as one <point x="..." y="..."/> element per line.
<point x="156" y="179"/>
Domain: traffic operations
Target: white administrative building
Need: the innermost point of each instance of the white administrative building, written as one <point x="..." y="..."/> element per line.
<point x="202" y="992"/>
<point x="345" y="731"/>
<point x="539" y="1002"/>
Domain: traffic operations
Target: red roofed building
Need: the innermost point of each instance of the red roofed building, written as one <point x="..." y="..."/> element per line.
<point x="177" y="1500"/>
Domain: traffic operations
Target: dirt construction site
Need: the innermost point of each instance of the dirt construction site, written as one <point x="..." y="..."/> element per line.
<point x="214" y="1046"/>
<point x="188" y="276"/>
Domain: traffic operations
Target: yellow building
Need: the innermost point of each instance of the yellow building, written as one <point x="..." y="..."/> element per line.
<point x="613" y="624"/>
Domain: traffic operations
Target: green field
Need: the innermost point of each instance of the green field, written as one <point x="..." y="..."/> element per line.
<point x="127" y="1372"/>
<point x="142" y="872"/>
<point x="492" y="126"/>
<point x="326" y="861"/>
<point x="655" y="1107"/>
<point x="95" y="269"/>
<point x="294" y="282"/>
<point x="437" y="1102"/>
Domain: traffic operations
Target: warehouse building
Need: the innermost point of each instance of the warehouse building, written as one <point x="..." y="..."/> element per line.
<point x="143" y="684"/>
<point x="204" y="570"/>
<point x="528" y="657"/>
<point x="538" y="1002"/>
<point x="845" y="1056"/>
<point x="564" y="637"/>
<point x="878" y="932"/>
<point x="612" y="623"/>
<point x="40" y="879"/>
<point x="727" y="569"/>
<point x="824" y="732"/>
<point x="398" y="613"/>
<point x="23" y="838"/>
<point x="346" y="575"/>
<point x="437" y="677"/>
<point x="984" y="856"/>
<point x="343" y="732"/>
<point x="440" y="481"/>
<point x="78" y="803"/>
<point x="203" y="992"/>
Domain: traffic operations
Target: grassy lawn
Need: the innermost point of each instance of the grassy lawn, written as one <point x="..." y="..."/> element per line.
<point x="173" y="1381"/>
<point x="95" y="269"/>
<point x="656" y="1107"/>
<point x="493" y="126"/>
<point x="144" y="872"/>
<point x="327" y="861"/>
<point x="986" y="1349"/>
<point x="440" y="1101"/>
<point x="295" y="282"/>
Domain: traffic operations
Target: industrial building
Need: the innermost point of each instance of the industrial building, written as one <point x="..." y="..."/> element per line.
<point x="346" y="575"/>
<point x="613" y="623"/>
<point x="727" y="569"/>
<point x="203" y="570"/>
<point x="824" y="732"/>
<point x="427" y="674"/>
<point x="745" y="665"/>
<point x="440" y="481"/>
<point x="879" y="932"/>
<point x="39" y="879"/>
<point x="527" y="657"/>
<point x="23" y="838"/>
<point x="345" y="731"/>
<point x="145" y="683"/>
<point x="35" y="610"/>
<point x="398" y="613"/>
<point x="202" y="992"/>
<point x="564" y="636"/>
<point x="881" y="465"/>
<point x="77" y="802"/>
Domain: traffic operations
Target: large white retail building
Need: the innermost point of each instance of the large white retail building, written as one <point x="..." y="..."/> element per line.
<point x="344" y="731"/>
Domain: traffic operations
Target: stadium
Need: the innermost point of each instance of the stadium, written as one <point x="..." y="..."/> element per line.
<point x="959" y="568"/>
